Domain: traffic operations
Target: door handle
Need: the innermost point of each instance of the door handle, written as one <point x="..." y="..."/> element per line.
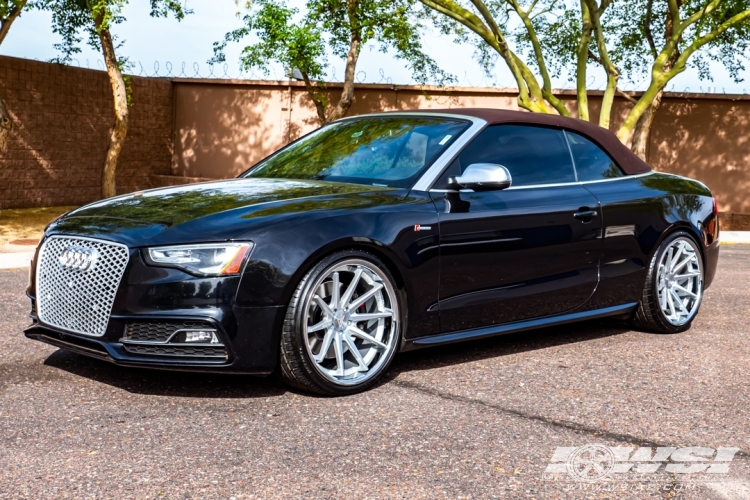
<point x="586" y="215"/>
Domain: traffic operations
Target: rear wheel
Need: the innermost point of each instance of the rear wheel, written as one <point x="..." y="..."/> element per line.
<point x="342" y="326"/>
<point x="674" y="286"/>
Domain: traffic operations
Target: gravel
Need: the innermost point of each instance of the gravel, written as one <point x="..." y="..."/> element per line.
<point x="473" y="420"/>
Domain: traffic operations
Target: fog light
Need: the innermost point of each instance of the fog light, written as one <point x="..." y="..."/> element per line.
<point x="202" y="336"/>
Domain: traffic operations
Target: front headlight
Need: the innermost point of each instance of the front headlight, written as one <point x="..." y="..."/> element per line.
<point x="210" y="259"/>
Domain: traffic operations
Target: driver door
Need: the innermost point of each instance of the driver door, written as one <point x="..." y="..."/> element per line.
<point x="524" y="252"/>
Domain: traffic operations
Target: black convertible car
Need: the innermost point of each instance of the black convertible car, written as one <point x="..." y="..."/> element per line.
<point x="377" y="234"/>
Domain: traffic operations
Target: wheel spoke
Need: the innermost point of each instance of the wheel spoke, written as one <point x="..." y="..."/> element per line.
<point x="668" y="262"/>
<point x="324" y="346"/>
<point x="322" y="303"/>
<point x="364" y="297"/>
<point x="335" y="291"/>
<point x="368" y="316"/>
<point x="351" y="288"/>
<point x="682" y="264"/>
<point x="679" y="302"/>
<point x="365" y="336"/>
<point x="323" y="324"/>
<point x="685" y="291"/>
<point x="675" y="257"/>
<point x="670" y="301"/>
<point x="355" y="352"/>
<point x="687" y="275"/>
<point x="338" y="347"/>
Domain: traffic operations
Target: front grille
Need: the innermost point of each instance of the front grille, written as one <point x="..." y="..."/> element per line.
<point x="184" y="351"/>
<point x="155" y="331"/>
<point x="77" y="294"/>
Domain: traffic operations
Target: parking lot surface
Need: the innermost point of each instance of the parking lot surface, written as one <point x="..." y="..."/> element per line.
<point x="474" y="420"/>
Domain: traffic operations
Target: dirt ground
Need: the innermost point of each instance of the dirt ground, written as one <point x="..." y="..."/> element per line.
<point x="27" y="223"/>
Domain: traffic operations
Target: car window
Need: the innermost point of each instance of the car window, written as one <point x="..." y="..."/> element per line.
<point x="591" y="162"/>
<point x="533" y="155"/>
<point x="381" y="150"/>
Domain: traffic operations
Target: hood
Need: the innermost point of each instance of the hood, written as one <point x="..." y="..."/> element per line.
<point x="214" y="209"/>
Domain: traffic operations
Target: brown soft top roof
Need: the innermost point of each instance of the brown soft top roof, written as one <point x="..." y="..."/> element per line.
<point x="624" y="157"/>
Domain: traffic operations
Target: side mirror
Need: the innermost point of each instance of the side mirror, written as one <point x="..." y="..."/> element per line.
<point x="483" y="177"/>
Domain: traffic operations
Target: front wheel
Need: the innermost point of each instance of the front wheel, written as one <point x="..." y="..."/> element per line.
<point x="674" y="286"/>
<point x="342" y="326"/>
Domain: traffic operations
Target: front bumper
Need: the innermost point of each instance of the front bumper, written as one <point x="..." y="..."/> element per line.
<point x="253" y="350"/>
<point x="249" y="334"/>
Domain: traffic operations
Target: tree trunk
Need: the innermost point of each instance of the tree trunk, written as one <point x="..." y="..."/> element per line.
<point x="120" y="95"/>
<point x="6" y="123"/>
<point x="642" y="131"/>
<point x="347" y="93"/>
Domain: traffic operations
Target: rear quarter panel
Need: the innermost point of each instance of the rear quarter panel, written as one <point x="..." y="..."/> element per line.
<point x="638" y="213"/>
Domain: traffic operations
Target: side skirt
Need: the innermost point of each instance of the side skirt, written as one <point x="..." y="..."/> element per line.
<point x="519" y="326"/>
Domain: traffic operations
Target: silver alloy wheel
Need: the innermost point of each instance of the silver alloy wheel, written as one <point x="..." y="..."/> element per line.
<point x="680" y="281"/>
<point x="351" y="322"/>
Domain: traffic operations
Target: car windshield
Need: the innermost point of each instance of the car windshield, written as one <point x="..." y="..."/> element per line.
<point x="384" y="151"/>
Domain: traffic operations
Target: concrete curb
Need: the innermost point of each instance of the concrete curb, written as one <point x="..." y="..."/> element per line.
<point x="735" y="237"/>
<point x="16" y="260"/>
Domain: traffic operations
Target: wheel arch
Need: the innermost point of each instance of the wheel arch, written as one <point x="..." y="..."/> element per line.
<point x="368" y="245"/>
<point x="683" y="226"/>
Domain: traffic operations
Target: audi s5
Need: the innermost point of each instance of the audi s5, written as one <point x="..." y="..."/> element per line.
<point x="373" y="235"/>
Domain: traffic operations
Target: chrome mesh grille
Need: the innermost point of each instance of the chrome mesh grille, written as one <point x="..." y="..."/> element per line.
<point x="79" y="299"/>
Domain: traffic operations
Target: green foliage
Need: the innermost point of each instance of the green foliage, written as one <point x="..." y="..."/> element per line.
<point x="638" y="31"/>
<point x="74" y="19"/>
<point x="282" y="39"/>
<point x="558" y="26"/>
<point x="8" y="7"/>
<point x="300" y="40"/>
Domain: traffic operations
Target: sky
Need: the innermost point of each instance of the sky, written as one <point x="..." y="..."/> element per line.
<point x="156" y="45"/>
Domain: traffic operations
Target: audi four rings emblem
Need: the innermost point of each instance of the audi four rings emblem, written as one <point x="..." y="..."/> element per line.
<point x="77" y="258"/>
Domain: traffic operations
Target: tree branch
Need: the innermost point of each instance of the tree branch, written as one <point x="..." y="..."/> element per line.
<point x="539" y="56"/>
<point x="627" y="97"/>
<point x="529" y="94"/>
<point x="613" y="75"/>
<point x="13" y="14"/>
<point x="647" y="28"/>
<point x="347" y="93"/>
<point x="582" y="54"/>
<point x="316" y="97"/>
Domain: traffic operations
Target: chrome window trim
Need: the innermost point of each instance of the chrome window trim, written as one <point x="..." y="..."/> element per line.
<point x="583" y="183"/>
<point x="431" y="175"/>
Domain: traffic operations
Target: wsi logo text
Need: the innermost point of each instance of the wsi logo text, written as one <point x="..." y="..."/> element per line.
<point x="595" y="462"/>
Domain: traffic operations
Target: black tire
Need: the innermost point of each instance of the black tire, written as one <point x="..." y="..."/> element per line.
<point x="649" y="316"/>
<point x="297" y="366"/>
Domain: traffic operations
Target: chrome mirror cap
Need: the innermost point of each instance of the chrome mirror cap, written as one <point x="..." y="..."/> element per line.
<point x="483" y="177"/>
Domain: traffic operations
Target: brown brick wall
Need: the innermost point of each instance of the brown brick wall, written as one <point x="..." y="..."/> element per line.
<point x="62" y="116"/>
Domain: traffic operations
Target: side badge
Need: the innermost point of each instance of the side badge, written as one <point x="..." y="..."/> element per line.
<point x="419" y="227"/>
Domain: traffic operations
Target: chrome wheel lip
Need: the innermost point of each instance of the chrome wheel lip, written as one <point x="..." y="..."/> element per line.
<point x="679" y="281"/>
<point x="342" y="320"/>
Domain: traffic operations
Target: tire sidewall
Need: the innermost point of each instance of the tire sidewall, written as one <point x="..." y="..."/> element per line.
<point x="300" y="344"/>
<point x="654" y="283"/>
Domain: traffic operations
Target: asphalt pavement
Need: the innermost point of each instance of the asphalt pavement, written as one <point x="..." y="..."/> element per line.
<point x="482" y="419"/>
